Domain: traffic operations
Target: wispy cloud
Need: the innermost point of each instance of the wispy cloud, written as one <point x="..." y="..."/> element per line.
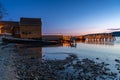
<point x="112" y="29"/>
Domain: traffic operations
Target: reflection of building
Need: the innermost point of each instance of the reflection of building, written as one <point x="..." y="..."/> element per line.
<point x="29" y="51"/>
<point x="27" y="28"/>
<point x="66" y="44"/>
<point x="26" y="61"/>
<point x="70" y="44"/>
<point x="35" y="52"/>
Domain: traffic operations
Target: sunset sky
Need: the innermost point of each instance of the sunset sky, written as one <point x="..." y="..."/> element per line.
<point x="68" y="17"/>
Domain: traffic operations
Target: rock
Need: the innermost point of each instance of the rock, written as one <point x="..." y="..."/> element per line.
<point x="97" y="58"/>
<point x="118" y="61"/>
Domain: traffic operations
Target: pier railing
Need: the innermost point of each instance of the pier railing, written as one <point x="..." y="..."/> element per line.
<point x="100" y="37"/>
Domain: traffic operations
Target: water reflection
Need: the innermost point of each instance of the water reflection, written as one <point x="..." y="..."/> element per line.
<point x="74" y="44"/>
<point x="100" y="42"/>
<point x="29" y="51"/>
<point x="70" y="44"/>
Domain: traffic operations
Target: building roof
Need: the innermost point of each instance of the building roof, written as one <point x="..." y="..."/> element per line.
<point x="9" y="23"/>
<point x="6" y="25"/>
<point x="30" y="21"/>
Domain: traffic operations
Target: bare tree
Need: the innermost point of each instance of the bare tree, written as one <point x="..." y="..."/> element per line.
<point x="3" y="12"/>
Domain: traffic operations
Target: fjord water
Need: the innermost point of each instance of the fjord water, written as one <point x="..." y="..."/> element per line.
<point x="107" y="51"/>
<point x="103" y="50"/>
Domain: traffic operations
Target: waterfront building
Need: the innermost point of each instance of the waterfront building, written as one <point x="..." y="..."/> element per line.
<point x="30" y="28"/>
<point x="52" y="37"/>
<point x="7" y="27"/>
<point x="26" y="28"/>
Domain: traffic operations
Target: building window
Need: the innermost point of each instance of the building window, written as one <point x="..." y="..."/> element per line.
<point x="29" y="32"/>
<point x="17" y="32"/>
<point x="22" y="32"/>
<point x="26" y="33"/>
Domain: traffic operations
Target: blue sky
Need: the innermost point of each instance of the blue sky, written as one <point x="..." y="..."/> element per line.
<point x="68" y="17"/>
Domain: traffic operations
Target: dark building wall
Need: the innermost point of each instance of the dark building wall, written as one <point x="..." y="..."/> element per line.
<point x="52" y="37"/>
<point x="30" y="28"/>
<point x="30" y="32"/>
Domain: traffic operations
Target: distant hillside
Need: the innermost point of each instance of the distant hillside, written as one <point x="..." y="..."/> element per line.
<point x="116" y="33"/>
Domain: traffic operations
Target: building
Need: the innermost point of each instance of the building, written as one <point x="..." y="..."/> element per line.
<point x="30" y="28"/>
<point x="67" y="38"/>
<point x="26" y="28"/>
<point x="52" y="37"/>
<point x="8" y="26"/>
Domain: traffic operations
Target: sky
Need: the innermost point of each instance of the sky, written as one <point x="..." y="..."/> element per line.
<point x="67" y="17"/>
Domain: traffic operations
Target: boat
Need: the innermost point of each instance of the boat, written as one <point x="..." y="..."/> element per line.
<point x="27" y="41"/>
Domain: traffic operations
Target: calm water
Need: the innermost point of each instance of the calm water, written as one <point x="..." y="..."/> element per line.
<point x="103" y="50"/>
<point x="97" y="51"/>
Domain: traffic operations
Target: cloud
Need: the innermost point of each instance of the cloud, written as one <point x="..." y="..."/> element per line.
<point x="112" y="29"/>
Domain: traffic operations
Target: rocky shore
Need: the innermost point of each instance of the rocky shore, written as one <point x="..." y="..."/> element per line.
<point x="6" y="62"/>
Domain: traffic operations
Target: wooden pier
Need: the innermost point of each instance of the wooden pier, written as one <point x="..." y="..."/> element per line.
<point x="100" y="37"/>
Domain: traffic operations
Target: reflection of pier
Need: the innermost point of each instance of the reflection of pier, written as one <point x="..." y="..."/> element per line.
<point x="100" y="42"/>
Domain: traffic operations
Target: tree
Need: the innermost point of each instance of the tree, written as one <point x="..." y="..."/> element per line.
<point x="3" y="12"/>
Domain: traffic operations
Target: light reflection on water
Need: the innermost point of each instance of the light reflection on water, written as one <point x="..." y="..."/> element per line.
<point x="103" y="50"/>
<point x="86" y="49"/>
